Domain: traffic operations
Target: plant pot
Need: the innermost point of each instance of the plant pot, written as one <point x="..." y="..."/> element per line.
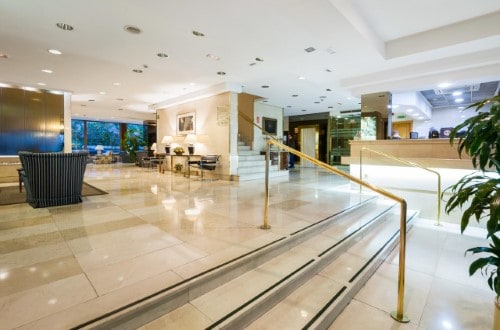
<point x="496" y="314"/>
<point x="178" y="153"/>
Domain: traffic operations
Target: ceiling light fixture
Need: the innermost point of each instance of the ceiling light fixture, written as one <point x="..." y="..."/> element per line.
<point x="328" y="90"/>
<point x="137" y="70"/>
<point x="102" y="93"/>
<point x="303" y="110"/>
<point x="310" y="49"/>
<point x="64" y="26"/>
<point x="47" y="71"/>
<point x="91" y="100"/>
<point x="2" y="55"/>
<point x="265" y="86"/>
<point x="132" y="29"/>
<point x="459" y="100"/>
<point x="213" y="57"/>
<point x="252" y="64"/>
<point x="55" y="51"/>
<point x="41" y="84"/>
<point x="302" y="77"/>
<point x="328" y="70"/>
<point x="457" y="93"/>
<point x="295" y="95"/>
<point x="198" y="34"/>
<point x="258" y="59"/>
<point x="116" y="84"/>
<point x="221" y="73"/>
<point x="119" y="99"/>
<point x="163" y="55"/>
<point x="444" y="85"/>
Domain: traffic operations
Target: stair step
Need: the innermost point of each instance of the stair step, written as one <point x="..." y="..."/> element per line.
<point x="302" y="280"/>
<point x="249" y="152"/>
<point x="261" y="175"/>
<point x="243" y="148"/>
<point x="244" y="158"/>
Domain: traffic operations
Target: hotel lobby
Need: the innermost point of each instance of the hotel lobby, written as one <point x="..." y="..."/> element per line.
<point x="158" y="243"/>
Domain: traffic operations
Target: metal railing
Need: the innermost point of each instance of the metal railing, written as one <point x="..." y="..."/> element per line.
<point x="410" y="164"/>
<point x="398" y="315"/>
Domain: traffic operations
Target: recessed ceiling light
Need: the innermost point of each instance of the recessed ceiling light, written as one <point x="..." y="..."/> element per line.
<point x="120" y="109"/>
<point x="444" y="85"/>
<point x="198" y="34"/>
<point x="317" y="102"/>
<point x="91" y="100"/>
<point x="459" y="100"/>
<point x="457" y="93"/>
<point x="83" y="105"/>
<point x="330" y="107"/>
<point x="328" y="90"/>
<point x="55" y="51"/>
<point x="265" y="86"/>
<point x="252" y="64"/>
<point x="310" y="49"/>
<point x="409" y="110"/>
<point x="302" y="77"/>
<point x="221" y="73"/>
<point x="303" y="110"/>
<point x="47" y="71"/>
<point x="132" y="29"/>
<point x="461" y="108"/>
<point x="295" y="95"/>
<point x="116" y="84"/>
<point x="213" y="57"/>
<point x="137" y="70"/>
<point x="258" y="59"/>
<point x="162" y="55"/>
<point x="328" y="70"/>
<point x="41" y="84"/>
<point x="330" y="51"/>
<point x="119" y="99"/>
<point x="288" y="106"/>
<point x="265" y="101"/>
<point x="102" y="93"/>
<point x="2" y="55"/>
<point x="322" y="97"/>
<point x="64" y="26"/>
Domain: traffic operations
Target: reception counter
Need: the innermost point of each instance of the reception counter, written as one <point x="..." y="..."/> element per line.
<point x="434" y="153"/>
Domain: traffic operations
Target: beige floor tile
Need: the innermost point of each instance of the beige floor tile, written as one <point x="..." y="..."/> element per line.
<point x="185" y="317"/>
<point x="360" y="316"/>
<point x="28" y="257"/>
<point x="26" y="306"/>
<point x="25" y="278"/>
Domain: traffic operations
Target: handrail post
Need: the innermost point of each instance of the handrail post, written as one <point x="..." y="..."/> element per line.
<point x="438" y="223"/>
<point x="360" y="169"/>
<point x="398" y="315"/>
<point x="266" y="225"/>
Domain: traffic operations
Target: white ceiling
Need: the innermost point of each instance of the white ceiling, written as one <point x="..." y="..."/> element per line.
<point x="369" y="46"/>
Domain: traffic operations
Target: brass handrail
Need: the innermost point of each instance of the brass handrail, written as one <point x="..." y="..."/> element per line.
<point x="407" y="163"/>
<point x="398" y="315"/>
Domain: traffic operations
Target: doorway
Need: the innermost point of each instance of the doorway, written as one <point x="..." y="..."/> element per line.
<point x="403" y="127"/>
<point x="309" y="144"/>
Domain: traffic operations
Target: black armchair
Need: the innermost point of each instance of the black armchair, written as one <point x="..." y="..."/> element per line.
<point x="53" y="178"/>
<point x="208" y="162"/>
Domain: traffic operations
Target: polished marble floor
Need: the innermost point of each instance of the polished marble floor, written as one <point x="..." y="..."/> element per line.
<point x="61" y="266"/>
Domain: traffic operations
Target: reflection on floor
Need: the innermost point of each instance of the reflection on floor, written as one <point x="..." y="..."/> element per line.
<point x="61" y="266"/>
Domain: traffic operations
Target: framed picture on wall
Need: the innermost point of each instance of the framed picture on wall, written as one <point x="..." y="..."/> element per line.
<point x="186" y="123"/>
<point x="270" y="125"/>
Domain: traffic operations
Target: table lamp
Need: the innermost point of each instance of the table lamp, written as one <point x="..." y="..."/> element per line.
<point x="99" y="148"/>
<point x="190" y="140"/>
<point x="167" y="140"/>
<point x="153" y="147"/>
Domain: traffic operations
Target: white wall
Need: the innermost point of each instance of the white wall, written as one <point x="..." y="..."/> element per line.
<point x="270" y="111"/>
<point x="445" y="117"/>
<point x="210" y="128"/>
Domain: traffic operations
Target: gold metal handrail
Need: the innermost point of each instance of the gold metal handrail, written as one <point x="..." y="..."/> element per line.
<point x="410" y="164"/>
<point x="398" y="315"/>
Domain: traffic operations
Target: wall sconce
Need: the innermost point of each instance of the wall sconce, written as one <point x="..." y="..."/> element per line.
<point x="190" y="140"/>
<point x="167" y="140"/>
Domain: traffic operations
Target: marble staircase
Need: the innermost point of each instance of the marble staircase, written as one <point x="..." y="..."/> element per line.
<point x="251" y="165"/>
<point x="304" y="279"/>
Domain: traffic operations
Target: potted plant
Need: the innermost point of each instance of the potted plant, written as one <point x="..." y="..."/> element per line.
<point x="178" y="167"/>
<point x="478" y="193"/>
<point x="178" y="150"/>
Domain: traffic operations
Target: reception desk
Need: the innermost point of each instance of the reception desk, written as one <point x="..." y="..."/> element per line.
<point x="433" y="153"/>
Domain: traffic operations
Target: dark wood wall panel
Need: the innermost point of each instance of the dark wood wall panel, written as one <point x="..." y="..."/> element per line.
<point x="34" y="129"/>
<point x="54" y="119"/>
<point x="30" y="121"/>
<point x="12" y="121"/>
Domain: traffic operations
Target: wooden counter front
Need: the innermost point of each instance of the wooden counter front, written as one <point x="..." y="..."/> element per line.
<point x="436" y="153"/>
